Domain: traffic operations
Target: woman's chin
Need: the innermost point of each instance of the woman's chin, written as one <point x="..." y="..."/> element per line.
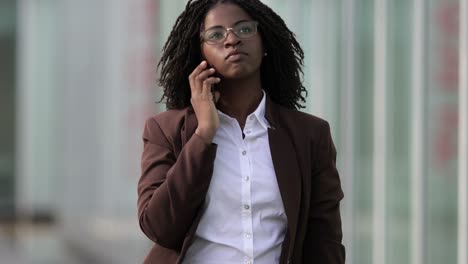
<point x="239" y="74"/>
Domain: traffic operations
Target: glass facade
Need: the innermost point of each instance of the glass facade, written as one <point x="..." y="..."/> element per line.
<point x="7" y="101"/>
<point x="387" y="75"/>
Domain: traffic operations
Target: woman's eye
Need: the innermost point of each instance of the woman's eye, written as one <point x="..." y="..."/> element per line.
<point x="215" y="35"/>
<point x="245" y="30"/>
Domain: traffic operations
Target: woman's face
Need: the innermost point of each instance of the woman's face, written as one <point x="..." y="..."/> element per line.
<point x="248" y="52"/>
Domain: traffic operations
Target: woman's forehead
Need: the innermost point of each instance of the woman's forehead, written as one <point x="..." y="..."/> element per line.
<point x="225" y="15"/>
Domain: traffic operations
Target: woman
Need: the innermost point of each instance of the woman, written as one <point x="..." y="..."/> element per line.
<point x="232" y="172"/>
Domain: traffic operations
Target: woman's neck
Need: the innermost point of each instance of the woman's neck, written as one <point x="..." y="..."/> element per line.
<point x="239" y="98"/>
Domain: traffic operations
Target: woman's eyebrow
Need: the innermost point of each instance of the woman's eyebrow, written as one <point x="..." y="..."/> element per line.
<point x="219" y="26"/>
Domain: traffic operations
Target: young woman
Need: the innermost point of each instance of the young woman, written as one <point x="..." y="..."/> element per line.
<point x="232" y="172"/>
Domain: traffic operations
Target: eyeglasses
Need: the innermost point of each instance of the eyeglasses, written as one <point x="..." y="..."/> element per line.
<point x="243" y="30"/>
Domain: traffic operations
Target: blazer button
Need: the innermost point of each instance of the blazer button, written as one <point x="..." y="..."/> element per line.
<point x="289" y="261"/>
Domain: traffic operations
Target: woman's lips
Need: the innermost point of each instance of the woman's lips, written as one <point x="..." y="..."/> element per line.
<point x="235" y="57"/>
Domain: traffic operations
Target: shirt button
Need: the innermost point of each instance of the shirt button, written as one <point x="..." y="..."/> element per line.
<point x="246" y="178"/>
<point x="248" y="235"/>
<point x="251" y="118"/>
<point x="246" y="207"/>
<point x="244" y="152"/>
<point x="247" y="132"/>
<point x="248" y="262"/>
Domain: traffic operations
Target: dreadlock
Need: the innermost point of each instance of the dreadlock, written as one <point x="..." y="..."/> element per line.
<point x="281" y="70"/>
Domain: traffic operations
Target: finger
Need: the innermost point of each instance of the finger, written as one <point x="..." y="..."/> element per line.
<point x="198" y="70"/>
<point x="205" y="74"/>
<point x="194" y="79"/>
<point x="207" y="83"/>
<point x="217" y="95"/>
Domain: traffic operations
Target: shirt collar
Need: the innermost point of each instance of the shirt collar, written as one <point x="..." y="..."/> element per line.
<point x="259" y="113"/>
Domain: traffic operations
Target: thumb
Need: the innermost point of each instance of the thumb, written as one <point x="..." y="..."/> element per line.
<point x="216" y="96"/>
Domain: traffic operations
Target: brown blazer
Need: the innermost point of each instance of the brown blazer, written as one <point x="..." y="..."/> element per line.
<point x="176" y="171"/>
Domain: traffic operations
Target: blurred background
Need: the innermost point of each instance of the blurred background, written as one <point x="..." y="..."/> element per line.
<point x="78" y="79"/>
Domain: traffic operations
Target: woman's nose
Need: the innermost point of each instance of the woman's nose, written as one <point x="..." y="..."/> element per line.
<point x="231" y="39"/>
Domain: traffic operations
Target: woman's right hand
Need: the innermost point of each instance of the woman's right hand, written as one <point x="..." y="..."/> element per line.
<point x="203" y="101"/>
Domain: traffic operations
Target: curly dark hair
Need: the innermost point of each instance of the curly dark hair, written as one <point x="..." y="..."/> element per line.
<point x="281" y="71"/>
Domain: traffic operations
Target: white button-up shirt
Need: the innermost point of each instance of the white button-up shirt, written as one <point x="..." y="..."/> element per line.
<point x="243" y="219"/>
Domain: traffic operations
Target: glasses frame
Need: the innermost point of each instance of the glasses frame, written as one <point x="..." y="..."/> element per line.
<point x="202" y="33"/>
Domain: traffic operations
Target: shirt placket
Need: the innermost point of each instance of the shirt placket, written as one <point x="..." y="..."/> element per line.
<point x="246" y="209"/>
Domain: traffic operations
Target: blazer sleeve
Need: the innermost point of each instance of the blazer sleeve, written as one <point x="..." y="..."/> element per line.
<point x="172" y="189"/>
<point x="323" y="239"/>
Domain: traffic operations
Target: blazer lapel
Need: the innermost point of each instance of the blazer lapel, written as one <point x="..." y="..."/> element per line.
<point x="287" y="170"/>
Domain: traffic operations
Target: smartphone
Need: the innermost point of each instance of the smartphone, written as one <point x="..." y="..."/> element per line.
<point x="214" y="87"/>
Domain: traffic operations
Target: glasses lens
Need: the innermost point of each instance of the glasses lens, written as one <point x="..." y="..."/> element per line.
<point x="246" y="29"/>
<point x="242" y="30"/>
<point x="214" y="35"/>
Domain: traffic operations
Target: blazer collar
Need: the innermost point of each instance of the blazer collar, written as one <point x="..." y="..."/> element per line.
<point x="271" y="114"/>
